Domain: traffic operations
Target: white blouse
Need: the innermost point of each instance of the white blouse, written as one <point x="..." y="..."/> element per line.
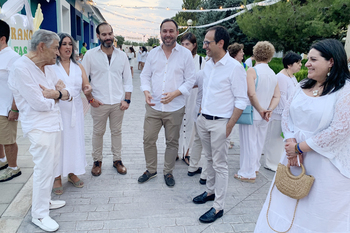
<point x="330" y="134"/>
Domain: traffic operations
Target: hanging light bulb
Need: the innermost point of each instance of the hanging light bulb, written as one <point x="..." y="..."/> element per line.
<point x="220" y="7"/>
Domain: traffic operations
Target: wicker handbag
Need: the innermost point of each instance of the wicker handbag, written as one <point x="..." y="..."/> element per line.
<point x="296" y="187"/>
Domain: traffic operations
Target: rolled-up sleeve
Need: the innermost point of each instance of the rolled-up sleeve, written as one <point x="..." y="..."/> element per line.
<point x="239" y="87"/>
<point x="31" y="91"/>
<point x="146" y="75"/>
<point x="127" y="77"/>
<point x="189" y="76"/>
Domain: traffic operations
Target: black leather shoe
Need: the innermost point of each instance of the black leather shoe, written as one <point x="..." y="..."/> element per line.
<point x="203" y="198"/>
<point x="202" y="181"/>
<point x="146" y="176"/>
<point x="169" y="180"/>
<point x="211" y="216"/>
<point x="198" y="171"/>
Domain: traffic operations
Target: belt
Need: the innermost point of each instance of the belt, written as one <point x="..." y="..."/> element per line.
<point x="208" y="117"/>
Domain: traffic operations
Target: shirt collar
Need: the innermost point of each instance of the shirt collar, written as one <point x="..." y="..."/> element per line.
<point x="223" y="60"/>
<point x="177" y="47"/>
<point x="8" y="48"/>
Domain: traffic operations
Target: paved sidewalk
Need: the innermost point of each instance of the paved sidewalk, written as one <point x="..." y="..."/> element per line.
<point x="117" y="203"/>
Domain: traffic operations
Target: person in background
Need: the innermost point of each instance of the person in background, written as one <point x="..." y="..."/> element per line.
<point x="132" y="59"/>
<point x="316" y="127"/>
<point x="189" y="139"/>
<point x="264" y="99"/>
<point x="144" y="55"/>
<point x="8" y="110"/>
<point x="72" y="161"/>
<point x="139" y="59"/>
<point x="84" y="49"/>
<point x="249" y="61"/>
<point x="274" y="146"/>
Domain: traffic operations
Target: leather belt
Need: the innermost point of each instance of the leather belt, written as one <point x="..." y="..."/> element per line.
<point x="208" y="117"/>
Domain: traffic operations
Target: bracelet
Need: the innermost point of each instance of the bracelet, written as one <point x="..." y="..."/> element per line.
<point x="296" y="149"/>
<point x="300" y="151"/>
<point x="14" y="110"/>
<point x="60" y="96"/>
<point x="91" y="101"/>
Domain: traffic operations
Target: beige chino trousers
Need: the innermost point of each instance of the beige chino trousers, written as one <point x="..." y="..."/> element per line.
<point x="154" y="120"/>
<point x="99" y="117"/>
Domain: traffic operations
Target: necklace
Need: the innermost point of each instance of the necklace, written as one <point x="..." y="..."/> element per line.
<point x="315" y="93"/>
<point x="288" y="74"/>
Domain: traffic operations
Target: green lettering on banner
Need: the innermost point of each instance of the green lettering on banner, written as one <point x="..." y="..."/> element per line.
<point x="21" y="51"/>
<point x="16" y="49"/>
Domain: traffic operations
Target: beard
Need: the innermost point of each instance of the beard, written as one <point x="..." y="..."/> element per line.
<point x="106" y="44"/>
<point x="172" y="41"/>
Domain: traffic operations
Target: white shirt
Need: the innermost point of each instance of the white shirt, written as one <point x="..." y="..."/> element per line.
<point x="224" y="87"/>
<point x="7" y="58"/>
<point x="161" y="75"/>
<point x="249" y="62"/>
<point x="36" y="112"/>
<point x="287" y="87"/>
<point x="109" y="81"/>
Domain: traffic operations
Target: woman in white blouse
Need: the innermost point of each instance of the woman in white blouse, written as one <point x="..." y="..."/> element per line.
<point x="274" y="146"/>
<point x="143" y="56"/>
<point x="316" y="125"/>
<point x="132" y="57"/>
<point x="264" y="99"/>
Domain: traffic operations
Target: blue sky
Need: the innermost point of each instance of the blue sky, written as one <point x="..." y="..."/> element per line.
<point x="119" y="16"/>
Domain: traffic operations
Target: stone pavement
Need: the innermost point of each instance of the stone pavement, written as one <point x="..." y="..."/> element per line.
<point x="117" y="203"/>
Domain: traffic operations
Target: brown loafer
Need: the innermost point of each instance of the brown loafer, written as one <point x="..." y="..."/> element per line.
<point x="121" y="169"/>
<point x="96" y="168"/>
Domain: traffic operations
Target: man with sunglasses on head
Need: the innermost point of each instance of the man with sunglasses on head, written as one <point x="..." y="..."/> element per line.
<point x="223" y="101"/>
<point x="168" y="76"/>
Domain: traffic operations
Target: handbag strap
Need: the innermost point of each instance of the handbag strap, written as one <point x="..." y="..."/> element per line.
<point x="267" y="214"/>
<point x="257" y="78"/>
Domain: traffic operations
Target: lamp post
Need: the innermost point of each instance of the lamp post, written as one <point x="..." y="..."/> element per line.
<point x="189" y="23"/>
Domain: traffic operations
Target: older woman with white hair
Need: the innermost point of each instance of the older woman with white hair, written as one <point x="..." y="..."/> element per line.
<point x="37" y="90"/>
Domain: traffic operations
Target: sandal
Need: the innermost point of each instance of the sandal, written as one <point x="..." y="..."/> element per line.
<point x="58" y="190"/>
<point x="78" y="184"/>
<point x="241" y="178"/>
<point x="188" y="160"/>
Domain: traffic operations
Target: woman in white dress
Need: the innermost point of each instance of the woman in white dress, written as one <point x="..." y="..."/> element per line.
<point x="188" y="133"/>
<point x="317" y="118"/>
<point x="264" y="99"/>
<point x="139" y="58"/>
<point x="274" y="146"/>
<point x="143" y="56"/>
<point x="73" y="160"/>
<point x="131" y="55"/>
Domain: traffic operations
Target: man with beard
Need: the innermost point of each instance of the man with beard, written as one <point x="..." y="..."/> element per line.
<point x="167" y="77"/>
<point x="111" y="83"/>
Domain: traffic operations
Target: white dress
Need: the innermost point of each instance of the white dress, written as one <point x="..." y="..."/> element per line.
<point x="324" y="123"/>
<point x="73" y="142"/>
<point x="187" y="132"/>
<point x="274" y="145"/>
<point x="252" y="137"/>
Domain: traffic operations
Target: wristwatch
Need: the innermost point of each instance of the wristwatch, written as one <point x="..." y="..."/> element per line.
<point x="128" y="101"/>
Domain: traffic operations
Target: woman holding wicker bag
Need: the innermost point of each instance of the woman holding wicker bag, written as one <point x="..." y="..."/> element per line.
<point x="316" y="125"/>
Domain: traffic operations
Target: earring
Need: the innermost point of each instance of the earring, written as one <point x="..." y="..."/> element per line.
<point x="329" y="71"/>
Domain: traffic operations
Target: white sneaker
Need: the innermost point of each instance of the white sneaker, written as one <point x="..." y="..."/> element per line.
<point x="55" y="204"/>
<point x="47" y="223"/>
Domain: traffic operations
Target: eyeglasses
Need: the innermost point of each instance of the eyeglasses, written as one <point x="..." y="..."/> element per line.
<point x="206" y="43"/>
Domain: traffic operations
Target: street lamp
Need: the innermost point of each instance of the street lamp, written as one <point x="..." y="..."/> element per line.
<point x="189" y="23"/>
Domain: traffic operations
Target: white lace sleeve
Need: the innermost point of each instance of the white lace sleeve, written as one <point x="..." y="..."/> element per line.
<point x="287" y="123"/>
<point x="334" y="141"/>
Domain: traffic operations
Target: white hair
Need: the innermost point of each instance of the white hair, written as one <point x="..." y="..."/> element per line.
<point x="45" y="36"/>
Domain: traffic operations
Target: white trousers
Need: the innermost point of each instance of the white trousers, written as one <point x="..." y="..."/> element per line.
<point x="252" y="138"/>
<point x="215" y="144"/>
<point x="274" y="145"/>
<point x="45" y="149"/>
<point x="196" y="154"/>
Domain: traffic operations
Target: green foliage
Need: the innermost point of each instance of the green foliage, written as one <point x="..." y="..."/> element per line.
<point x="152" y="41"/>
<point x="302" y="74"/>
<point x="120" y="40"/>
<point x="294" y="24"/>
<point x="182" y="17"/>
<point x="276" y="65"/>
<point x="235" y="32"/>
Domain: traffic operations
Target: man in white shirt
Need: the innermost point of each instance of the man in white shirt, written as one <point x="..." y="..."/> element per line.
<point x="167" y="77"/>
<point x="8" y="110"/>
<point x="111" y="82"/>
<point x="224" y="99"/>
<point x="37" y="90"/>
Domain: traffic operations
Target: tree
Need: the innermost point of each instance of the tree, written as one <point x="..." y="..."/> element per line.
<point x="294" y="24"/>
<point x="152" y="41"/>
<point x="120" y="40"/>
<point x="235" y="32"/>
<point x="182" y="17"/>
